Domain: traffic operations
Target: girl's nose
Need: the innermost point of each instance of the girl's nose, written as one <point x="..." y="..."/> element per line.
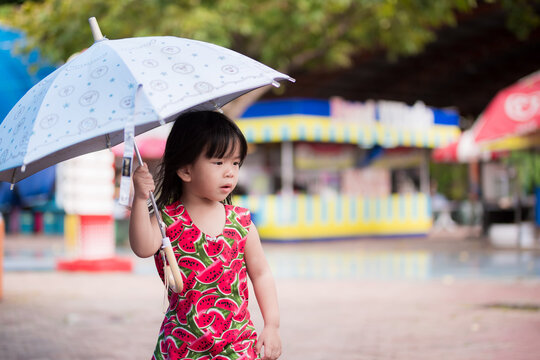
<point x="229" y="172"/>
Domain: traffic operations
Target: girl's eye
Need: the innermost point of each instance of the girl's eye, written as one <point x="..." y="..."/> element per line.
<point x="236" y="163"/>
<point x="218" y="162"/>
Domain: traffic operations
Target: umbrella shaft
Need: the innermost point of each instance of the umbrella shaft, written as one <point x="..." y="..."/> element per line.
<point x="152" y="198"/>
<point x="156" y="213"/>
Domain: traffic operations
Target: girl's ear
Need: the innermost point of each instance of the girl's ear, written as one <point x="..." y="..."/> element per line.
<point x="184" y="173"/>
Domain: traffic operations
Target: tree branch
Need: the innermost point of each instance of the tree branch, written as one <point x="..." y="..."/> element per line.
<point x="301" y="59"/>
<point x="237" y="107"/>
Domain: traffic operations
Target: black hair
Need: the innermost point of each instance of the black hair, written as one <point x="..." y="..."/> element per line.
<point x="192" y="134"/>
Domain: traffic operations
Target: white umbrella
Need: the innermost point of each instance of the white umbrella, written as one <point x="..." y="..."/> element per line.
<point x="84" y="105"/>
<point x="117" y="89"/>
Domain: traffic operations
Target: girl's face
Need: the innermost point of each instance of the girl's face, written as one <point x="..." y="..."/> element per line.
<point x="211" y="179"/>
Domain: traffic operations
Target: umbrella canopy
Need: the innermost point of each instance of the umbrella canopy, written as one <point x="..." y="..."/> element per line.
<point x="84" y="105"/>
<point x="446" y="153"/>
<point x="511" y="121"/>
<point x="515" y="110"/>
<point x="529" y="141"/>
<point x="463" y="150"/>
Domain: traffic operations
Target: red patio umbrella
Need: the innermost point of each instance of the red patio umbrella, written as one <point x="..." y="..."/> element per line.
<point x="463" y="150"/>
<point x="515" y="110"/>
<point x="446" y="153"/>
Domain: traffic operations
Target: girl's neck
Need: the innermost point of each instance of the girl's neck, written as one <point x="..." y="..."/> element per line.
<point x="207" y="215"/>
<point x="190" y="200"/>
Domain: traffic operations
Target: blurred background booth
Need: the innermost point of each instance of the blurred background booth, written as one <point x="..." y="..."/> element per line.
<point x="325" y="169"/>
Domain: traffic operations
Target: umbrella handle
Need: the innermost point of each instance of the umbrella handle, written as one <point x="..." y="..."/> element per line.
<point x="173" y="266"/>
<point x="169" y="254"/>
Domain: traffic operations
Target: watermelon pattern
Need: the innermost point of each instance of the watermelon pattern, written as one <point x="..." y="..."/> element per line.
<point x="209" y="319"/>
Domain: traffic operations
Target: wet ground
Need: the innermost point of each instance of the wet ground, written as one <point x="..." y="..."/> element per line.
<point x="359" y="299"/>
<point x="375" y="259"/>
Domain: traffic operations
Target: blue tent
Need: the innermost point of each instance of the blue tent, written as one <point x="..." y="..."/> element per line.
<point x="19" y="73"/>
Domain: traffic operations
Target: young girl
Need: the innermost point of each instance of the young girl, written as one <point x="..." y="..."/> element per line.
<point x="216" y="245"/>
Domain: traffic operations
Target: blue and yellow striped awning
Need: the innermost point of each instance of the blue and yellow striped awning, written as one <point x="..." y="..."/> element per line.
<point x="324" y="129"/>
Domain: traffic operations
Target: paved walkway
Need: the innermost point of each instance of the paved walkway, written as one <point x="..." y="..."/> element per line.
<point x="58" y="315"/>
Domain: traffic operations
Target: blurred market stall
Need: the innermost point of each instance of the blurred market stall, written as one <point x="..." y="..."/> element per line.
<point x="511" y="121"/>
<point x="501" y="149"/>
<point x="337" y="169"/>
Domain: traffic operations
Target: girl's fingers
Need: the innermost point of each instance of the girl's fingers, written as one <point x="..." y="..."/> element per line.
<point x="143" y="181"/>
<point x="272" y="353"/>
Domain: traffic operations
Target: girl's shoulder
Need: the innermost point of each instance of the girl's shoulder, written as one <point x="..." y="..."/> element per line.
<point x="173" y="210"/>
<point x="237" y="209"/>
<point x="241" y="214"/>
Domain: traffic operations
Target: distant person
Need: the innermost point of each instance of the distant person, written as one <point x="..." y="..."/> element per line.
<point x="441" y="208"/>
<point x="216" y="244"/>
<point x="472" y="210"/>
<point x="439" y="202"/>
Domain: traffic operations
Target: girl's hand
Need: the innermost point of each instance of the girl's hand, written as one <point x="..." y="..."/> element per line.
<point x="143" y="182"/>
<point x="271" y="341"/>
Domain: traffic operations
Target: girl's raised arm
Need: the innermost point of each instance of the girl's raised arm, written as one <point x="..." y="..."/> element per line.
<point x="266" y="294"/>
<point x="144" y="234"/>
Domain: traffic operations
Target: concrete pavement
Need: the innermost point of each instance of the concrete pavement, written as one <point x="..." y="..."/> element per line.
<point x="59" y="315"/>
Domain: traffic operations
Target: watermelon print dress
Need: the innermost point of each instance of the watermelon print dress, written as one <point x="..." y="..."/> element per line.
<point x="209" y="319"/>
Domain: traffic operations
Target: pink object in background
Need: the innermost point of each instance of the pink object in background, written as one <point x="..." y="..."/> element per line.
<point x="150" y="148"/>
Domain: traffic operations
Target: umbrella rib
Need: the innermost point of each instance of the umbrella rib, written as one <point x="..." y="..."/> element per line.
<point x="13" y="175"/>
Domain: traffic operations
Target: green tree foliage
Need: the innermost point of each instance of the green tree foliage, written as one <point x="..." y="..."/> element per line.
<point x="451" y="179"/>
<point x="527" y="165"/>
<point x="285" y="34"/>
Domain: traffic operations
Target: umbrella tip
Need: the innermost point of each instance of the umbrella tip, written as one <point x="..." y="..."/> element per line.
<point x="96" y="32"/>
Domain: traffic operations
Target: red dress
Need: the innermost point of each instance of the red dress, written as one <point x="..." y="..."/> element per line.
<point x="209" y="319"/>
